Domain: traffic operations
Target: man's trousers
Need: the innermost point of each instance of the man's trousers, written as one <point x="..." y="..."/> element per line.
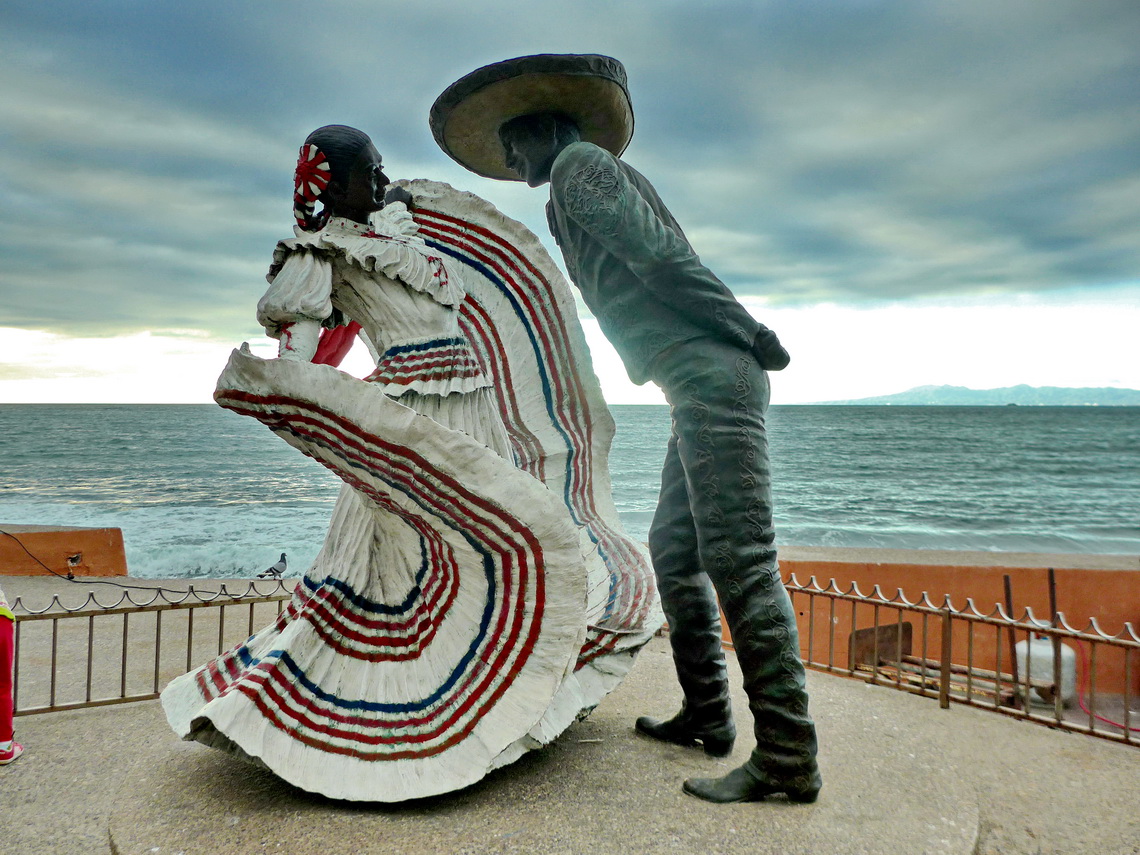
<point x="713" y="532"/>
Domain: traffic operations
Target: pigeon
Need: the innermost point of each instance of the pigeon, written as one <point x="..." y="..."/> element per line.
<point x="275" y="571"/>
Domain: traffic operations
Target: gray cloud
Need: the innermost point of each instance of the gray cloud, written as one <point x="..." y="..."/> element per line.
<point x="816" y="150"/>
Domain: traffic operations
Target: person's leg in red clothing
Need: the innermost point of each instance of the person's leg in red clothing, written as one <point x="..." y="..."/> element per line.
<point x="9" y="750"/>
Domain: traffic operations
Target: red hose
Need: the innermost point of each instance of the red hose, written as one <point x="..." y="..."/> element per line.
<point x="1082" y="677"/>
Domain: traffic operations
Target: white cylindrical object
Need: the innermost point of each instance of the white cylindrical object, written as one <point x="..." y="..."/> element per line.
<point x="1035" y="662"/>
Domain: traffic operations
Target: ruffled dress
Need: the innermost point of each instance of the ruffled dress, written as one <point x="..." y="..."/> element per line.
<point x="406" y="301"/>
<point x="471" y="597"/>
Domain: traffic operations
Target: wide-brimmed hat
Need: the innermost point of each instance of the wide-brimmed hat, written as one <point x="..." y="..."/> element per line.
<point x="588" y="88"/>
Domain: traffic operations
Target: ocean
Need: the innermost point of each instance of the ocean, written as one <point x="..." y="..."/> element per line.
<point x="199" y="491"/>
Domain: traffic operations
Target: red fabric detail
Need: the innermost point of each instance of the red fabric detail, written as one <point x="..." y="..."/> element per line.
<point x="310" y="179"/>
<point x="335" y="344"/>
<point x="312" y="174"/>
<point x="448" y="363"/>
<point x="287" y="336"/>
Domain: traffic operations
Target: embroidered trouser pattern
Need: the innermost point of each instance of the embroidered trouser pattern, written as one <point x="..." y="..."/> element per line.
<point x="713" y="532"/>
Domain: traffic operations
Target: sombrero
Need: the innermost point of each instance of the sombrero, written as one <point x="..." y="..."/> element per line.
<point x="588" y="88"/>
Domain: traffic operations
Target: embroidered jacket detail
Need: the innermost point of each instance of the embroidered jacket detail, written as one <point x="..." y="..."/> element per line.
<point x="595" y="194"/>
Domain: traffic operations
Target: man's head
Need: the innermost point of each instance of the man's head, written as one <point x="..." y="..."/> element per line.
<point x="531" y="143"/>
<point x="567" y="96"/>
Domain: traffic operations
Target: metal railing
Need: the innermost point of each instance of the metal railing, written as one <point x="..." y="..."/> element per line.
<point x="94" y="654"/>
<point x="1040" y="670"/>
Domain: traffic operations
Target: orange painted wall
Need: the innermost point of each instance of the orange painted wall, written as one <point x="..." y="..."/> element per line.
<point x="101" y="551"/>
<point x="1112" y="597"/>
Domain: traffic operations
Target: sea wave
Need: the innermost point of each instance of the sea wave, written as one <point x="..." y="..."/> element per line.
<point x="199" y="492"/>
<point x="191" y="542"/>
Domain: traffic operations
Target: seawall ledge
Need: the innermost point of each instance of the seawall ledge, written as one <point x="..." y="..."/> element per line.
<point x="955" y="558"/>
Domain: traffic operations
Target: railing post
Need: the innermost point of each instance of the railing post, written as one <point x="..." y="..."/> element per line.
<point x="190" y="638"/>
<point x="221" y="628"/>
<point x="850" y="647"/>
<point x="16" y="668"/>
<point x="830" y="633"/>
<point x="944" y="677"/>
<point x="811" y="628"/>
<point x="1012" y="638"/>
<point x="54" y="657"/>
<point x="90" y="655"/>
<point x="123" y="663"/>
<point x="1058" y="700"/>
<point x="157" y="648"/>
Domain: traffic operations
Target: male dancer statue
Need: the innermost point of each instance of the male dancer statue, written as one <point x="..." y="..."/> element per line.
<point x="564" y="119"/>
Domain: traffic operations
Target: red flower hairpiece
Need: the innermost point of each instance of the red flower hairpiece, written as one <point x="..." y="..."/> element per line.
<point x="312" y="175"/>
<point x="309" y="181"/>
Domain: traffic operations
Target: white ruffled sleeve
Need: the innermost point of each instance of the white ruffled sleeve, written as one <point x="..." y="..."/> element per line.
<point x="395" y="220"/>
<point x="301" y="290"/>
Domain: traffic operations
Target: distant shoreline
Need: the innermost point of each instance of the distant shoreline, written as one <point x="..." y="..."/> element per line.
<point x="1018" y="396"/>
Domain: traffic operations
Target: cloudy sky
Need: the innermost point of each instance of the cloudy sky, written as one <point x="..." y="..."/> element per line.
<point x="908" y="191"/>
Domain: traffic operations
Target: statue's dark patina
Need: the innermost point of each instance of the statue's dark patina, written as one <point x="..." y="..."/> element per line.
<point x="675" y="323"/>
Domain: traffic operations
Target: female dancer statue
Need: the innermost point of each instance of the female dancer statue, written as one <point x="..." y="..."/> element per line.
<point x="474" y="592"/>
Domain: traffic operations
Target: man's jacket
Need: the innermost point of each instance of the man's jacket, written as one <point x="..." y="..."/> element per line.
<point x="635" y="268"/>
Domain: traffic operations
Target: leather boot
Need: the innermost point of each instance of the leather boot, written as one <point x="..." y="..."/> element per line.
<point x="690" y="606"/>
<point x="767" y="647"/>
<point x="741" y="785"/>
<point x="715" y="737"/>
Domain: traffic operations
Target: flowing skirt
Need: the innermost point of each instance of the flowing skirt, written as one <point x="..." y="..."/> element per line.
<point x="429" y="641"/>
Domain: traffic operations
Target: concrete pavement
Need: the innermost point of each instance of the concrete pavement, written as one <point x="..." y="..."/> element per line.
<point x="901" y="776"/>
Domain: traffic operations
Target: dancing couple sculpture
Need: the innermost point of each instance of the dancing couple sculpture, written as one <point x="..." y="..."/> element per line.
<point x="475" y="592"/>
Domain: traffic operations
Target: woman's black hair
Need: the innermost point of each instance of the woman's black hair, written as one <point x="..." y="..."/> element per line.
<point x="341" y="145"/>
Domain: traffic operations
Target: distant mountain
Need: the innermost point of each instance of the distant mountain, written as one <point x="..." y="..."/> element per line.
<point x="1026" y="396"/>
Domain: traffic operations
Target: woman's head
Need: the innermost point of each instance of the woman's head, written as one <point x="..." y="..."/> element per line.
<point x="340" y="167"/>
